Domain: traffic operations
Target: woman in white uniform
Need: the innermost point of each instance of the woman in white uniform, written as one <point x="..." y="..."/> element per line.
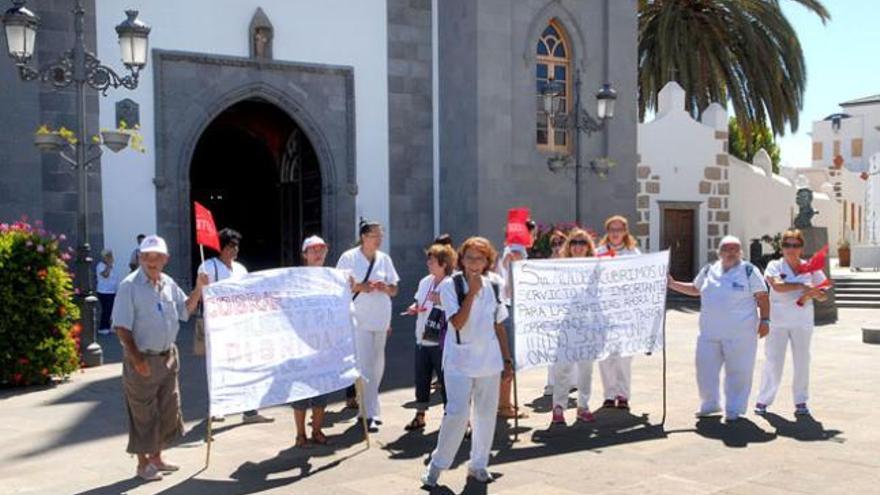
<point x="475" y="357"/>
<point x="373" y="283"/>
<point x="732" y="294"/>
<point x="792" y="323"/>
<point x="557" y="243"/>
<point x="579" y="245"/>
<point x="616" y="370"/>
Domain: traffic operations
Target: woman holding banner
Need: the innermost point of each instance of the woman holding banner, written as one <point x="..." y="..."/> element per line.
<point x="314" y="252"/>
<point x="792" y="294"/>
<point x="373" y="283"/>
<point x="732" y="294"/>
<point x="475" y="357"/>
<point x="579" y="245"/>
<point x="430" y="328"/>
<point x="557" y="243"/>
<point x="616" y="370"/>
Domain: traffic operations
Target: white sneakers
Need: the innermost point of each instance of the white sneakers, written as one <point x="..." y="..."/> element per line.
<point x="429" y="479"/>
<point x="149" y="473"/>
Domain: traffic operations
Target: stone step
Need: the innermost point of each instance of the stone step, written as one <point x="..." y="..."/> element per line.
<point x="857" y="297"/>
<point x="858" y="303"/>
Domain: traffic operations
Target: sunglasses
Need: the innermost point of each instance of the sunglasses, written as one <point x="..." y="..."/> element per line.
<point x="792" y="245"/>
<point x="578" y="242"/>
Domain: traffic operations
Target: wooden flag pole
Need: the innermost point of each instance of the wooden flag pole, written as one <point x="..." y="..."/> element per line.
<point x="209" y="439"/>
<point x="359" y="389"/>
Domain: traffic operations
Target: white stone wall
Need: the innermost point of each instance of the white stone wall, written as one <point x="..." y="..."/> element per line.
<point x="685" y="160"/>
<point x="339" y="32"/>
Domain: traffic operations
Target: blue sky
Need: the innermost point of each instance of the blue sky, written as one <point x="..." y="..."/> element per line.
<point x="843" y="63"/>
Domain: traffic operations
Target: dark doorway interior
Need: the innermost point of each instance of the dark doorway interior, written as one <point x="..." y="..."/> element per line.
<point x="258" y="174"/>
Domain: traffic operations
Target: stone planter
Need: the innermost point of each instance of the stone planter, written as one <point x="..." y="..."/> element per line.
<point x="51" y="142"/>
<point x="115" y="140"/>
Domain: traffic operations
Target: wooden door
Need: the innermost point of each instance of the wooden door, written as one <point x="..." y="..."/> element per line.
<point x="678" y="237"/>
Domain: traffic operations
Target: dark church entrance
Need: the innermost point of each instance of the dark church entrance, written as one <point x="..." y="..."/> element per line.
<point x="258" y="174"/>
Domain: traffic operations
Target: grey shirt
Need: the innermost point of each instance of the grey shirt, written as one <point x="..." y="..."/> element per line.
<point x="152" y="313"/>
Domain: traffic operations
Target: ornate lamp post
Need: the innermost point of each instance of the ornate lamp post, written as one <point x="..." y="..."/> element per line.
<point x="80" y="68"/>
<point x="580" y="121"/>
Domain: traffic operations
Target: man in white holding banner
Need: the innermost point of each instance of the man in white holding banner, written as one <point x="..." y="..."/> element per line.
<point x="585" y="309"/>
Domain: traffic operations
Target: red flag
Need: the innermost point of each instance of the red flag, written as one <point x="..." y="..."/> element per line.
<point x="824" y="285"/>
<point x="517" y="232"/>
<point x="816" y="263"/>
<point x="206" y="231"/>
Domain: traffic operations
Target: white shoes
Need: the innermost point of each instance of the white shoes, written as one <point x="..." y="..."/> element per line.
<point x="149" y="473"/>
<point x="251" y="419"/>
<point x="480" y="475"/>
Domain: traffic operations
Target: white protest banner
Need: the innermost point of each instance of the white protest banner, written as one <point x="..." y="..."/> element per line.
<point x="582" y="309"/>
<point x="276" y="336"/>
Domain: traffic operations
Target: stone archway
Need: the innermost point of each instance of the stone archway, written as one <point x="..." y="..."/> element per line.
<point x="192" y="90"/>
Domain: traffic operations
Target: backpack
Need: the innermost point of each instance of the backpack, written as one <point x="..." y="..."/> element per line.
<point x="458" y="282"/>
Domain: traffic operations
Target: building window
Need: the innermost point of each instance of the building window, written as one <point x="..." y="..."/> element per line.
<point x="817" y="151"/>
<point x="553" y="63"/>
<point x="856" y="148"/>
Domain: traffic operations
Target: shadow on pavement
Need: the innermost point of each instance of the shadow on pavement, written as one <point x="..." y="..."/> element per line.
<point x="803" y="428"/>
<point x="737" y="434"/>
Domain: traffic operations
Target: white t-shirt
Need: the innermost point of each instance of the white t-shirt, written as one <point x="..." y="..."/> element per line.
<point x="424" y="304"/>
<point x="109" y="284"/>
<point x="603" y="249"/>
<point x="479" y="353"/>
<point x="217" y="270"/>
<point x="784" y="309"/>
<point x="372" y="310"/>
<point x="728" y="307"/>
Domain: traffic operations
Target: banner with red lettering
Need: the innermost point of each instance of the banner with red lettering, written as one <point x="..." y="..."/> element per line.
<point x="206" y="231"/>
<point x="277" y="336"/>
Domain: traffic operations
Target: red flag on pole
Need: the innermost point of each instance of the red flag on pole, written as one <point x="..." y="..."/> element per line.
<point x="517" y="232"/>
<point x="816" y="262"/>
<point x="206" y="231"/>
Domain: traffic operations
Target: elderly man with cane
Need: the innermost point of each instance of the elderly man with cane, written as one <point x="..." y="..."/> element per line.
<point x="146" y="315"/>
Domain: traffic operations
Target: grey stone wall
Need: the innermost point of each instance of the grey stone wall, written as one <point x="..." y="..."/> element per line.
<point x="42" y="185"/>
<point x="191" y="89"/>
<point x="487" y="93"/>
<point x="411" y="142"/>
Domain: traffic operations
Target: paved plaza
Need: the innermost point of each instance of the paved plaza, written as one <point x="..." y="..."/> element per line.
<point x="70" y="439"/>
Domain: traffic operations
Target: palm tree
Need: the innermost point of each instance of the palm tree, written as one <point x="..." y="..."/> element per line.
<point x="742" y="51"/>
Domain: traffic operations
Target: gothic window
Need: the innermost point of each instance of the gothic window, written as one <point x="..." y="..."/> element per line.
<point x="553" y="63"/>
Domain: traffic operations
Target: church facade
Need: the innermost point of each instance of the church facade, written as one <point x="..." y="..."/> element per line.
<point x="289" y="118"/>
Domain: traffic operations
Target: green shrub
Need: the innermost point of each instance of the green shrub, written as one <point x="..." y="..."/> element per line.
<point x="39" y="333"/>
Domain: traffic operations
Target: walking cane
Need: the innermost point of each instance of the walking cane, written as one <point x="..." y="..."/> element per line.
<point x="209" y="439"/>
<point x="515" y="409"/>
<point x="359" y="391"/>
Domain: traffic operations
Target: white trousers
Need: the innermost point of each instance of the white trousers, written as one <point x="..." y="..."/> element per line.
<point x="370" y="352"/>
<point x="461" y="392"/>
<point x="774" y="349"/>
<point x="583" y="372"/>
<point x="570" y="378"/>
<point x="616" y="374"/>
<point x="737" y="355"/>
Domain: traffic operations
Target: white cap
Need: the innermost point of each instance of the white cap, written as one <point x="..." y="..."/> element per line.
<point x="154" y="244"/>
<point x="729" y="239"/>
<point x="312" y="242"/>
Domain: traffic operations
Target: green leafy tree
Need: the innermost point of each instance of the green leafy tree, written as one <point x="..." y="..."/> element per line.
<point x="744" y="147"/>
<point x="742" y="51"/>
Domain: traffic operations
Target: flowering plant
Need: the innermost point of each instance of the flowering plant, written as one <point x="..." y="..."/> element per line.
<point x="136" y="139"/>
<point x="37" y="314"/>
<point x="63" y="133"/>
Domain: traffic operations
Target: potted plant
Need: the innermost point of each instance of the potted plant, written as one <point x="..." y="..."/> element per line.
<point x="51" y="141"/>
<point x="843" y="252"/>
<point x="557" y="162"/>
<point x="117" y="139"/>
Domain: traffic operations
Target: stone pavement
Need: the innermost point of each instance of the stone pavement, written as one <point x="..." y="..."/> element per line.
<point x="70" y="439"/>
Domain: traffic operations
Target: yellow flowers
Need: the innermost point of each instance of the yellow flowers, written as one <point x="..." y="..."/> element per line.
<point x="64" y="133"/>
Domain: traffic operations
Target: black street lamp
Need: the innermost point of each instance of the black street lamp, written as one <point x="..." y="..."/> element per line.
<point x="80" y="68"/>
<point x="580" y="121"/>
